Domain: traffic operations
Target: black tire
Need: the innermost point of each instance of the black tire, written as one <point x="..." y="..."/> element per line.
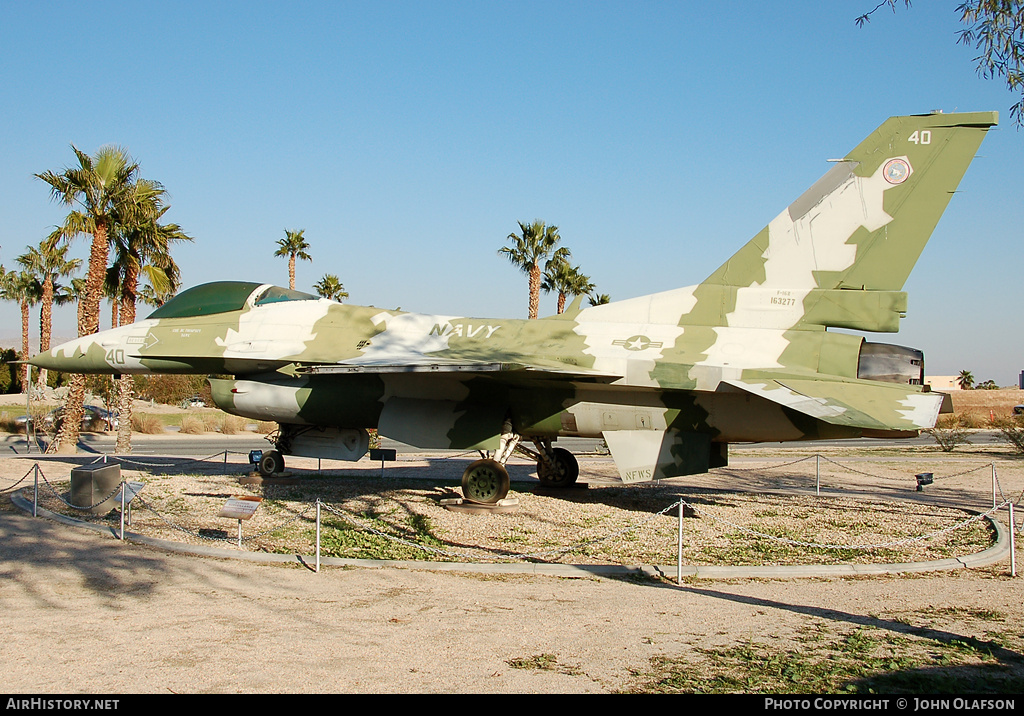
<point x="485" y="481"/>
<point x="271" y="462"/>
<point x="564" y="472"/>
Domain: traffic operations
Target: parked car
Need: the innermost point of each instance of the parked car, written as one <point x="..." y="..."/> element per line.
<point x="95" y="419"/>
<point x="194" y="402"/>
<point x="1018" y="409"/>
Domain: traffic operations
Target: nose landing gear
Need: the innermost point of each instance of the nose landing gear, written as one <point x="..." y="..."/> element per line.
<point x="485" y="481"/>
<point x="270" y="463"/>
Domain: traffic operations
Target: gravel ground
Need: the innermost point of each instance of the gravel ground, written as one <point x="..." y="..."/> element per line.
<point x="86" y="614"/>
<point x="373" y="516"/>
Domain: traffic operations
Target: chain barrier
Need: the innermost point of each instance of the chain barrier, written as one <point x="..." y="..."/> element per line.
<point x="579" y="547"/>
<point x="582" y="546"/>
<point x="846" y="467"/>
<point x="547" y="554"/>
<point x="295" y="518"/>
<point x="461" y="454"/>
<point x="999" y="488"/>
<point x="211" y="538"/>
<point x="855" y="470"/>
<point x="174" y="526"/>
<point x="149" y="507"/>
<point x="865" y="547"/>
<point x="20" y="480"/>
<point x="771" y="467"/>
<point x="121" y="460"/>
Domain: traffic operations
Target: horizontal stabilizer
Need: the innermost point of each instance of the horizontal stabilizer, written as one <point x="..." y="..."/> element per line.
<point x="859" y="404"/>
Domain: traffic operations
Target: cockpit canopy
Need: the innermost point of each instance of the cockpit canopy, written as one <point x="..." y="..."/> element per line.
<point x="224" y="296"/>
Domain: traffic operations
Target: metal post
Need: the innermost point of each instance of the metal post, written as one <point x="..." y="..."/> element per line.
<point x="817" y="474"/>
<point x="29" y="428"/>
<point x="35" y="491"/>
<point x="318" y="535"/>
<point x="239" y="534"/>
<point x="993" y="486"/>
<point x="225" y="458"/>
<point x="122" y="505"/>
<point x="1013" y="545"/>
<point x="679" y="551"/>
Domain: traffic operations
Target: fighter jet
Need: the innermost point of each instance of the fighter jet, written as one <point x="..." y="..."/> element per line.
<point x="668" y="380"/>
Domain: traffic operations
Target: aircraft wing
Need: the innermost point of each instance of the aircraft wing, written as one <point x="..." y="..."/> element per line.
<point x="428" y="364"/>
<point x="862" y="404"/>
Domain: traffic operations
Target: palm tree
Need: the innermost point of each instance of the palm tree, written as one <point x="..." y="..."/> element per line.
<point x="156" y="297"/>
<point x="140" y="249"/>
<point x="595" y="299"/>
<point x="566" y="280"/>
<point x="102" y="192"/>
<point x="112" y="292"/>
<point x="10" y="291"/>
<point x="330" y="287"/>
<point x="294" y="246"/>
<point x="48" y="262"/>
<point x="23" y="288"/>
<point x="965" y="380"/>
<point x="534" y="244"/>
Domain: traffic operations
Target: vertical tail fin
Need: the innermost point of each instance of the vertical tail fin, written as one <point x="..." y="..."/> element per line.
<point x="864" y="224"/>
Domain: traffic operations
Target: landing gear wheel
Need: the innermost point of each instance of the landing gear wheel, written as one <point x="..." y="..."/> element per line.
<point x="564" y="471"/>
<point x="485" y="481"/>
<point x="270" y="463"/>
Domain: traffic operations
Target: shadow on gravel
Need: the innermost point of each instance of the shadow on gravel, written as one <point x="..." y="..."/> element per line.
<point x="1005" y="675"/>
<point x="37" y="553"/>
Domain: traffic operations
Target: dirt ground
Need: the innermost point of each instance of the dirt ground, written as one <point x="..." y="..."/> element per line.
<point x="987" y="402"/>
<point x="84" y="613"/>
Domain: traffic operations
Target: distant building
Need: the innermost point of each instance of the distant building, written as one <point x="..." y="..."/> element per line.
<point x="943" y="382"/>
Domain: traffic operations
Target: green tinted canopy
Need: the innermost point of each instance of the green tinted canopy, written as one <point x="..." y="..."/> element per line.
<point x="210" y="298"/>
<point x="224" y="296"/>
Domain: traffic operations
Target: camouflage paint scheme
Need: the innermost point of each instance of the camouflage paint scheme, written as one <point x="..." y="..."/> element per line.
<point x="667" y="379"/>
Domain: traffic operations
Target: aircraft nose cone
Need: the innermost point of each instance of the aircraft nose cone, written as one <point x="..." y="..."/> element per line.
<point x="83" y="355"/>
<point x="46" y="360"/>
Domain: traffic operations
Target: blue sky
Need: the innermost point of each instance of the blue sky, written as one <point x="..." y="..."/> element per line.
<point x="408" y="138"/>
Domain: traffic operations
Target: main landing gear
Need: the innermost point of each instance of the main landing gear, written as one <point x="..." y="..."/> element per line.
<point x="486" y="480"/>
<point x="558" y="468"/>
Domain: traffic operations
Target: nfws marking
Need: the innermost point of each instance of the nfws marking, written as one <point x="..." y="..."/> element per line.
<point x="467" y="330"/>
<point x="645" y="473"/>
